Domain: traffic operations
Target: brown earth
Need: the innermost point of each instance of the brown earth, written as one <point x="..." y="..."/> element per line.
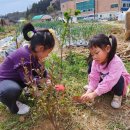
<point x="101" y="116"/>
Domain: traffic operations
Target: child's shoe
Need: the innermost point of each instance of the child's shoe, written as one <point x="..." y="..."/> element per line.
<point x="116" y="102"/>
<point x="23" y="108"/>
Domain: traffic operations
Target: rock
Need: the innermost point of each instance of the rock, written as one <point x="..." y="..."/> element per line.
<point x="22" y="118"/>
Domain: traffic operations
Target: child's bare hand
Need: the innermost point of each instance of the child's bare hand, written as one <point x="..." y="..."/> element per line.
<point x="89" y="91"/>
<point x="48" y="82"/>
<point x="88" y="96"/>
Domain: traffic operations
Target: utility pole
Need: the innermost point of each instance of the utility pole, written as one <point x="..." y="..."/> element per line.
<point x="119" y="6"/>
<point x="94" y="9"/>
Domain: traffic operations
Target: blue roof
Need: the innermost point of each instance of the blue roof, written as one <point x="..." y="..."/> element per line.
<point x="37" y="17"/>
<point x="125" y="0"/>
<point x="124" y="8"/>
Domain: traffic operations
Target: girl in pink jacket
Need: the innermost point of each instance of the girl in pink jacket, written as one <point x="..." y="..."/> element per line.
<point x="108" y="72"/>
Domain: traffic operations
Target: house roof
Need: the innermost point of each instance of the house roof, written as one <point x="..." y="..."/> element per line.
<point x="44" y="17"/>
<point x="37" y="17"/>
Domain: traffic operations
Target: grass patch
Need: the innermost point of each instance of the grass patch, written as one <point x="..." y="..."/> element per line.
<point x="116" y="125"/>
<point x="127" y="65"/>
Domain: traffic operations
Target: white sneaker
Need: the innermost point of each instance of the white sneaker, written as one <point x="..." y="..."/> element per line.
<point x="116" y="102"/>
<point x="23" y="108"/>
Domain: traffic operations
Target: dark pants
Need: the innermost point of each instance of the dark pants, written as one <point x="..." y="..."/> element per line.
<point x="10" y="91"/>
<point x="118" y="88"/>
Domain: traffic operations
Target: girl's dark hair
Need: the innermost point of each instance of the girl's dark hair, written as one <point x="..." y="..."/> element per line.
<point x="101" y="41"/>
<point x="40" y="37"/>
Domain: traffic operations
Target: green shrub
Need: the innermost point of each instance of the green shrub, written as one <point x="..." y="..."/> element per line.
<point x="2" y="29"/>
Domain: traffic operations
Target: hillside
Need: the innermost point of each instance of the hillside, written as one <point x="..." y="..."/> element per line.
<point x="36" y="9"/>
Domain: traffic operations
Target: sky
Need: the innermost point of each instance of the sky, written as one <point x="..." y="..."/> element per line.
<point x="10" y="6"/>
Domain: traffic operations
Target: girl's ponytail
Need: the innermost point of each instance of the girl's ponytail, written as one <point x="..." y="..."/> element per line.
<point x="112" y="52"/>
<point x="26" y="29"/>
<point x="44" y="37"/>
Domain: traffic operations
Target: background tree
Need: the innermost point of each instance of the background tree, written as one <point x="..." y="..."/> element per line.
<point x="50" y="9"/>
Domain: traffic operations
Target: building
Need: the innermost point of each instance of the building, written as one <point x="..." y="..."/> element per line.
<point x="125" y="5"/>
<point x="66" y="5"/>
<point x="107" y="9"/>
<point x="101" y="9"/>
<point x="85" y="6"/>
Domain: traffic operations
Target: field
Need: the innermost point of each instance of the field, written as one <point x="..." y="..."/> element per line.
<point x="70" y="116"/>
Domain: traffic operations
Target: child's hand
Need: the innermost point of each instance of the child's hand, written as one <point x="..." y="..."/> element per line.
<point x="89" y="91"/>
<point x="88" y="96"/>
<point x="48" y="82"/>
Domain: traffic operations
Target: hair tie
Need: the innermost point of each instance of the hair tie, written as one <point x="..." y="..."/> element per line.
<point x="110" y="39"/>
<point x="30" y="34"/>
<point x="52" y="32"/>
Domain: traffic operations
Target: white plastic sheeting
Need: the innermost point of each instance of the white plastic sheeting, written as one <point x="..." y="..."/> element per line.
<point x="121" y="16"/>
<point x="8" y="44"/>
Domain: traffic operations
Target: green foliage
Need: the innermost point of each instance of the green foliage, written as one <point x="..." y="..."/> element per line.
<point x="77" y="12"/>
<point x="67" y="16"/>
<point x="53" y="65"/>
<point x="57" y="25"/>
<point x="74" y="72"/>
<point x="54" y="105"/>
<point x="16" y="15"/>
<point x="2" y="29"/>
<point x="75" y="64"/>
<point x="13" y="123"/>
<point x="127" y="65"/>
<point x="87" y="30"/>
<point x="116" y="125"/>
<point x="38" y="8"/>
<point x="76" y="31"/>
<point x="50" y="9"/>
<point x="66" y="33"/>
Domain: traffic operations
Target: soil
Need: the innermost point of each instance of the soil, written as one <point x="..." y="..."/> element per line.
<point x="101" y="116"/>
